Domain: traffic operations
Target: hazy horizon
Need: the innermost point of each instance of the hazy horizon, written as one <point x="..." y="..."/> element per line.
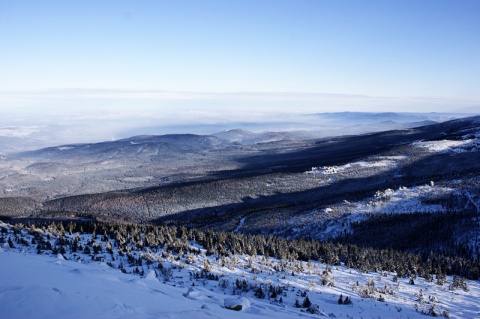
<point x="99" y="70"/>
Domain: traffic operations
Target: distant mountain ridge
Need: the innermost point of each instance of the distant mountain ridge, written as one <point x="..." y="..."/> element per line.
<point x="248" y="137"/>
<point x="20" y="138"/>
<point x="382" y="116"/>
<point x="136" y="146"/>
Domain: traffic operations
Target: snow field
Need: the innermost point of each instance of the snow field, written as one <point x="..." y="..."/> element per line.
<point x="73" y="286"/>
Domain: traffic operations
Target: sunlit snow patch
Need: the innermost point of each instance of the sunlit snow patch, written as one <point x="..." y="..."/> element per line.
<point x="404" y="200"/>
<point x="450" y="146"/>
<point x="381" y="161"/>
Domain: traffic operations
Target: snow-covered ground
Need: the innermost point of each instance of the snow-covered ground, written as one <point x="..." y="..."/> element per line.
<point x="450" y="146"/>
<point x="49" y="286"/>
<point x="373" y="162"/>
<point x="404" y="200"/>
<point x="399" y="201"/>
<point x="469" y="142"/>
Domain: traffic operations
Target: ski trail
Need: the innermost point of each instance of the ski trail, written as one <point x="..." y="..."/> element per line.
<point x="240" y="225"/>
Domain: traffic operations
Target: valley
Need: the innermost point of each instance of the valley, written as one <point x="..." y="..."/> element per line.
<point x="288" y="187"/>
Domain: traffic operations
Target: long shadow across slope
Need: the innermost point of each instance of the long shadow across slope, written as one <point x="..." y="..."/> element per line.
<point x="436" y="167"/>
<point x="334" y="151"/>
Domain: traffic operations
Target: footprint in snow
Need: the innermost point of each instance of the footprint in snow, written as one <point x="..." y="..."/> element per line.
<point x="57" y="290"/>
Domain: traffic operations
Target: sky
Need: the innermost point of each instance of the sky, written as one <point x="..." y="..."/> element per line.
<point x="212" y="59"/>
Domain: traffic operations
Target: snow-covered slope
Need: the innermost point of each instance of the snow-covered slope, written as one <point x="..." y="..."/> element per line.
<point x="49" y="286"/>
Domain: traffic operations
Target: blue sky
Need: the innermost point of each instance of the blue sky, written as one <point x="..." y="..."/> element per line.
<point x="218" y="56"/>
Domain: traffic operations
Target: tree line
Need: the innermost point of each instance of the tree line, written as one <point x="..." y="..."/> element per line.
<point x="178" y="239"/>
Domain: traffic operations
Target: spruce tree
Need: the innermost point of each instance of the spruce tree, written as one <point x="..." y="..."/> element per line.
<point x="297" y="304"/>
<point x="259" y="293"/>
<point x="347" y="301"/>
<point x="306" y="302"/>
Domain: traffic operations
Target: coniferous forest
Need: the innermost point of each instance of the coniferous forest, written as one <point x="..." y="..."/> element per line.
<point x="127" y="237"/>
